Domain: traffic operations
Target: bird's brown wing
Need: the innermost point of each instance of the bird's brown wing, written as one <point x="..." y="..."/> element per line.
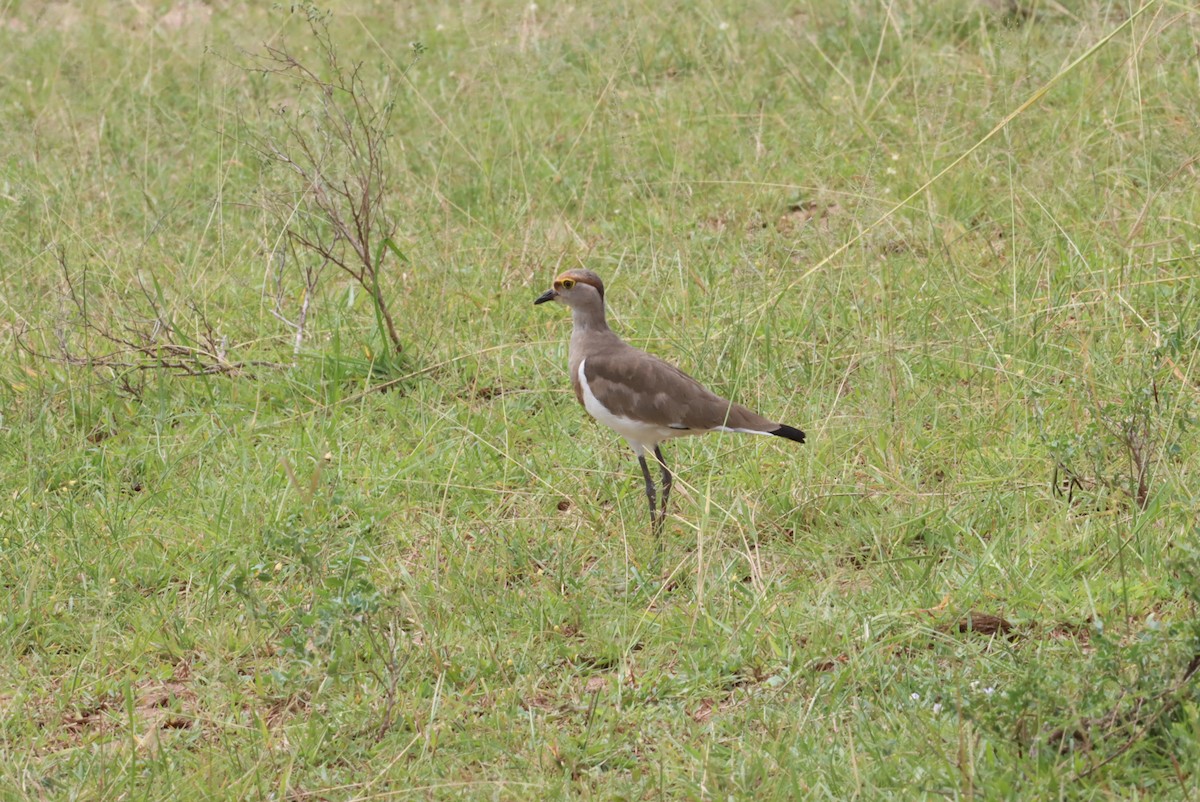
<point x="637" y="385"/>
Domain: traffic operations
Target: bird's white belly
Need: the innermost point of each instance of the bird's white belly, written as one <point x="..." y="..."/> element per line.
<point x="641" y="436"/>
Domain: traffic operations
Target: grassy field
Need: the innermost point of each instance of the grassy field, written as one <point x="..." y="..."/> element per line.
<point x="343" y="573"/>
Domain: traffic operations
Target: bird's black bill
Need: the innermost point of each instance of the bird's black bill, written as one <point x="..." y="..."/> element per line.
<point x="548" y="295"/>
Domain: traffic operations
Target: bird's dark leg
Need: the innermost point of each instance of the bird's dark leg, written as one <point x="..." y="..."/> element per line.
<point x="649" y="488"/>
<point x="666" y="482"/>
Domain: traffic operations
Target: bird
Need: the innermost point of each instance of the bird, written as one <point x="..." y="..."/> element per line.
<point x="644" y="399"/>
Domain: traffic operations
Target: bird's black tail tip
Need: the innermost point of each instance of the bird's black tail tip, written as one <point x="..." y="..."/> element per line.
<point x="791" y="433"/>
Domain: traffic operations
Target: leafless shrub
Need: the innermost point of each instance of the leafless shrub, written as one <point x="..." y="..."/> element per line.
<point x="330" y="206"/>
<point x="333" y="147"/>
<point x="1122" y="441"/>
<point x="145" y="336"/>
<point x="1134" y="430"/>
<point x="389" y="646"/>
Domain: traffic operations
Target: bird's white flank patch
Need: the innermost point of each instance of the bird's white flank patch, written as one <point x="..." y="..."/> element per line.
<point x="739" y="431"/>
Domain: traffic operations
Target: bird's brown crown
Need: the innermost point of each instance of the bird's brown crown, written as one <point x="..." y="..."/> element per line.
<point x="570" y="278"/>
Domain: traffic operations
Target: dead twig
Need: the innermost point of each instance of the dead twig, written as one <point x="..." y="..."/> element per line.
<point x="138" y="343"/>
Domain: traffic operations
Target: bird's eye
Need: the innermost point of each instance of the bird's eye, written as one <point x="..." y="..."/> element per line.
<point x="568" y="283"/>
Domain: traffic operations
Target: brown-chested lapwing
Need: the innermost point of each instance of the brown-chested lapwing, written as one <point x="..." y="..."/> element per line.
<point x="641" y="397"/>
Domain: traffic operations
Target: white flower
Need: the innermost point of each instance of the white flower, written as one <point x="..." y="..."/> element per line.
<point x="916" y="697"/>
<point x="937" y="708"/>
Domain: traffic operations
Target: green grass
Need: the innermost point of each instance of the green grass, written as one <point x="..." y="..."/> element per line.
<point x="281" y="584"/>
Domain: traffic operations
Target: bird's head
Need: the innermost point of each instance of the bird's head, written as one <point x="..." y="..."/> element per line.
<point x="575" y="288"/>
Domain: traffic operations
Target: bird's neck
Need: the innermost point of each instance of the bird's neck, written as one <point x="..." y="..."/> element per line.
<point x="588" y="318"/>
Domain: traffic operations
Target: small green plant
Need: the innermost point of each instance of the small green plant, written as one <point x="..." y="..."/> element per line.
<point x="1121" y="442"/>
<point x="1133" y="695"/>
